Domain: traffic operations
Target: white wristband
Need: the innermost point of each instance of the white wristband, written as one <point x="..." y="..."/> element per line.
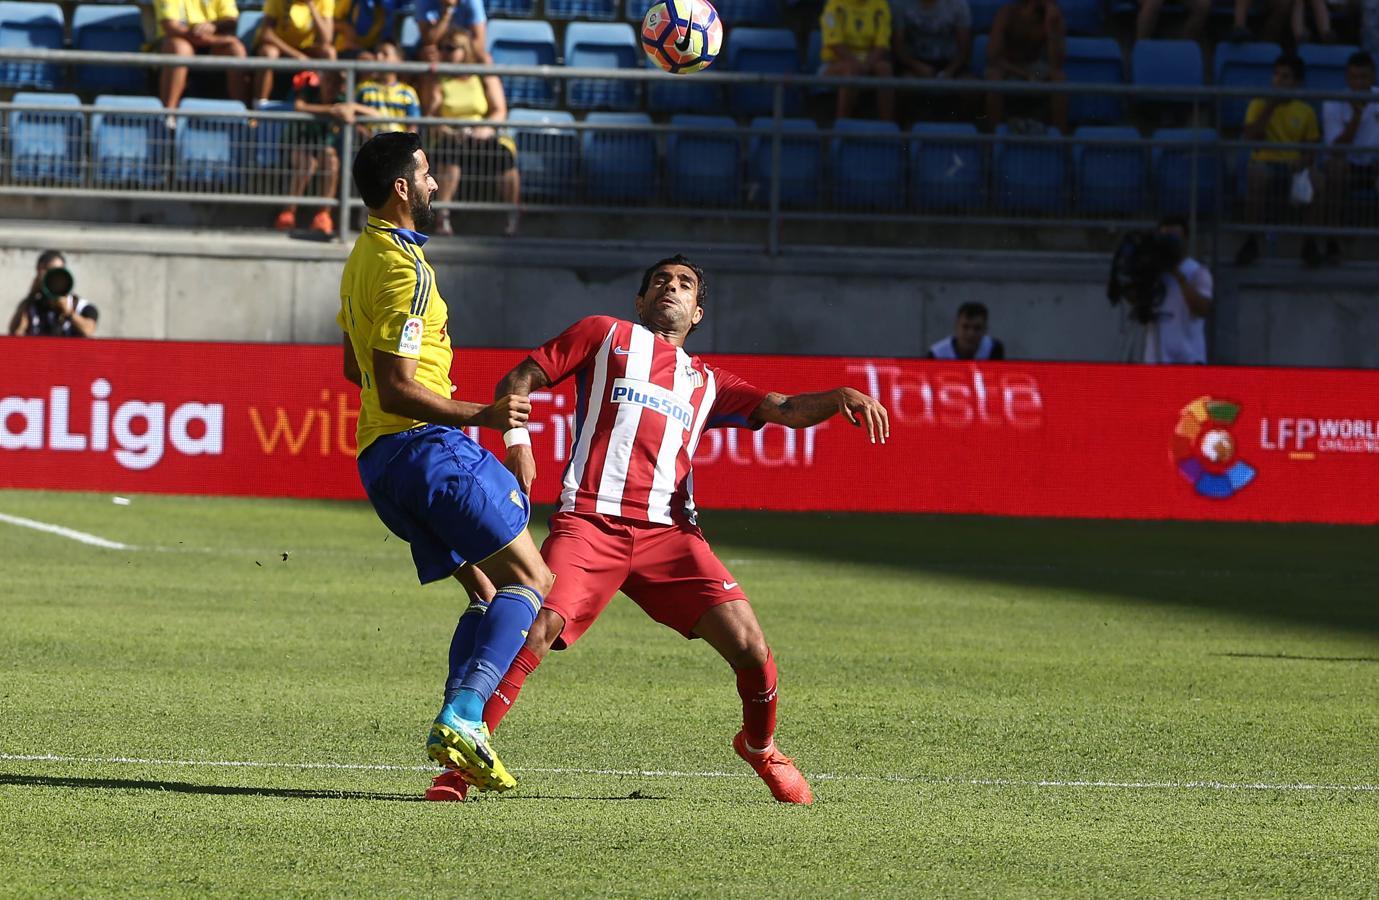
<point x="515" y="436"/>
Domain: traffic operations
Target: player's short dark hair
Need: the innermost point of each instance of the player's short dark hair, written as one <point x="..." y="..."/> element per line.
<point x="1293" y="62"/>
<point x="1360" y="60"/>
<point x="45" y="259"/>
<point x="678" y="259"/>
<point x="382" y="160"/>
<point x="1176" y="220"/>
<point x="973" y="310"/>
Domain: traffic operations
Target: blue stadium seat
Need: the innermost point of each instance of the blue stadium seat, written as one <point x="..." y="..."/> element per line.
<point x="770" y="50"/>
<point x="736" y="13"/>
<point x="598" y="10"/>
<point x="945" y="171"/>
<point x="801" y="163"/>
<point x="1030" y="177"/>
<point x="704" y="169"/>
<point x="1084" y="16"/>
<point x="115" y="29"/>
<point x="984" y="13"/>
<point x="1166" y="63"/>
<point x="548" y="157"/>
<point x="635" y="10"/>
<point x="1095" y="60"/>
<point x="1325" y="65"/>
<point x="601" y="45"/>
<point x="1110" y="180"/>
<point x="619" y="166"/>
<point x="271" y="137"/>
<point x="30" y="26"/>
<point x="128" y="142"/>
<point x="519" y="43"/>
<point x="45" y="146"/>
<point x="1172" y="171"/>
<point x="676" y="93"/>
<point x="209" y="152"/>
<point x="247" y="28"/>
<point x="1243" y="65"/>
<point x="515" y="9"/>
<point x="867" y="174"/>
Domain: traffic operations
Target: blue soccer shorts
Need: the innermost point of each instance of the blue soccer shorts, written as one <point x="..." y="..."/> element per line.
<point x="443" y="494"/>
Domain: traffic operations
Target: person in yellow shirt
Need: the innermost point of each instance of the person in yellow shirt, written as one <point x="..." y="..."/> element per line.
<point x="857" y="43"/>
<point x="189" y="27"/>
<point x="296" y="29"/>
<point x="463" y="513"/>
<point x="475" y="150"/>
<point x="386" y="94"/>
<point x="1271" y="171"/>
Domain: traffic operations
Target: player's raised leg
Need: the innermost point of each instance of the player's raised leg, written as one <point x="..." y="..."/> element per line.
<point x="732" y="629"/>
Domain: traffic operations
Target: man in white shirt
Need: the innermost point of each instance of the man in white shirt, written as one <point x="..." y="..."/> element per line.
<point x="1178" y="334"/>
<point x="969" y="339"/>
<point x="1352" y="125"/>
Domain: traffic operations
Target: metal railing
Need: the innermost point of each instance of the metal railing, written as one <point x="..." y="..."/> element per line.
<point x="781" y="170"/>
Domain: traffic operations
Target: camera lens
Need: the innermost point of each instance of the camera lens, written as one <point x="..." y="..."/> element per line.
<point x="58" y="282"/>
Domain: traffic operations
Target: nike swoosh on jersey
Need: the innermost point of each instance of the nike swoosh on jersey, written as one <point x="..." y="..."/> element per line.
<point x="729" y="585"/>
<point x="622" y="351"/>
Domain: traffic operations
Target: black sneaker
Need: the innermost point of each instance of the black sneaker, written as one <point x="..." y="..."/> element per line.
<point x="1248" y="252"/>
<point x="1311" y="253"/>
<point x="1333" y="252"/>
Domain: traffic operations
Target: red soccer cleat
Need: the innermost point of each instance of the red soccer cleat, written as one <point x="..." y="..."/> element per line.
<point x="786" y="782"/>
<point x="447" y="786"/>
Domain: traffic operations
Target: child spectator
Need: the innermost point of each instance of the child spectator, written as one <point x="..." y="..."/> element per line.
<point x="387" y="95"/>
<point x="316" y="145"/>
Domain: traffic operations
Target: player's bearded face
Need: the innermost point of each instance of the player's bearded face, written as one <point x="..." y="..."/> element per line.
<point x="671" y="302"/>
<point x="419" y="197"/>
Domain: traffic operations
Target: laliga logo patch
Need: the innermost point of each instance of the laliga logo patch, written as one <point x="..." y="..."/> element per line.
<point x="1204" y="449"/>
<point x="410" y="341"/>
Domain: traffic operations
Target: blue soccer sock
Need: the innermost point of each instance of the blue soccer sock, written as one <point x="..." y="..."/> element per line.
<point x="462" y="646"/>
<point x="501" y="632"/>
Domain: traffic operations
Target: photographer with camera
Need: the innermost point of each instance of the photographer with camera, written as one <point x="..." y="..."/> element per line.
<point x="52" y="309"/>
<point x="1167" y="294"/>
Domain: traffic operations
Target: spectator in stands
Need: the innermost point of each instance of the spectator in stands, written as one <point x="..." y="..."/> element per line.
<point x="316" y="146"/>
<point x="1178" y="335"/>
<point x="933" y="38"/>
<point x="1321" y="17"/>
<point x="478" y="152"/>
<point x="1270" y="172"/>
<point x="969" y="339"/>
<point x="1351" y="129"/>
<point x="1148" y="18"/>
<point x="1028" y="43"/>
<point x="297" y="29"/>
<point x="857" y="44"/>
<point x="388" y="95"/>
<point x="435" y="20"/>
<point x="1277" y="14"/>
<point x="52" y="308"/>
<point x="361" y="24"/>
<point x="189" y="27"/>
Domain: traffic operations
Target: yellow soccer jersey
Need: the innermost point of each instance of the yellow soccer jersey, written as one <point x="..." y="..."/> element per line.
<point x="188" y="12"/>
<point x="389" y="302"/>
<point x="1293" y="122"/>
<point x="293" y="20"/>
<point x="859" y="25"/>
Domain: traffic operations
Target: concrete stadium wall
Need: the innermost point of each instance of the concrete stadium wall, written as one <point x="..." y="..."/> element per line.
<point x="167" y="284"/>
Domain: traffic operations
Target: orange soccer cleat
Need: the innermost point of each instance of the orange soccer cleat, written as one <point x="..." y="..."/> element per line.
<point x="447" y="786"/>
<point x="786" y="782"/>
<point x="323" y="222"/>
<point x="286" y="220"/>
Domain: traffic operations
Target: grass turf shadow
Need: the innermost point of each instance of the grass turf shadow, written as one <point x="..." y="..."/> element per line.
<point x="183" y="787"/>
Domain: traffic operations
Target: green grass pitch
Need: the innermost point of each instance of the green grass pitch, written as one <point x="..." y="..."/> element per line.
<point x="990" y="708"/>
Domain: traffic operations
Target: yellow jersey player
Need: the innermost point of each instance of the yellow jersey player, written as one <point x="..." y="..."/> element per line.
<point x="452" y="501"/>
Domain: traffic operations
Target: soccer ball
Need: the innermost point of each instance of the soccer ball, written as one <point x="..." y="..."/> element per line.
<point x="682" y="36"/>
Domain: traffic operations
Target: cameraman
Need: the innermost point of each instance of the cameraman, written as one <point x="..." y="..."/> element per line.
<point x="52" y="309"/>
<point x="1178" y="334"/>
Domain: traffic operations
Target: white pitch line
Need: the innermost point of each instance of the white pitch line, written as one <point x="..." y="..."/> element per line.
<point x="667" y="773"/>
<point x="70" y="533"/>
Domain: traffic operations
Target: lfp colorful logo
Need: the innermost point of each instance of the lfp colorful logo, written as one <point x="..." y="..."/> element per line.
<point x="1204" y="448"/>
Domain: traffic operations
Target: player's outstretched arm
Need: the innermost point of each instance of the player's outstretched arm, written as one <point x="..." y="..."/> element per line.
<point x="520" y="382"/>
<point x="399" y="393"/>
<point x="804" y="410"/>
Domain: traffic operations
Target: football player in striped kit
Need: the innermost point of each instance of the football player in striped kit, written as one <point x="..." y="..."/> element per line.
<point x="627" y="518"/>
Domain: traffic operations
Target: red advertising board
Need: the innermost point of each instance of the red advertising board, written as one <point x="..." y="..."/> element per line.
<point x="1028" y="439"/>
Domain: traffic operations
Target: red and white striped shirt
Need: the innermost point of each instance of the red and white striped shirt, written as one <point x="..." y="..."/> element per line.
<point x="641" y="405"/>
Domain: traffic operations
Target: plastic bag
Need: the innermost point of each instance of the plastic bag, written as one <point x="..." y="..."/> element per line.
<point x="1301" y="193"/>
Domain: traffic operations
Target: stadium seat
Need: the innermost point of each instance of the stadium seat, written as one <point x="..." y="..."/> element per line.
<point x="770" y="50"/>
<point x="945" y="171"/>
<point x="635" y="10"/>
<point x="801" y="163"/>
<point x="1094" y="60"/>
<point x="601" y="45"/>
<point x="271" y="138"/>
<point x="984" y="14"/>
<point x="867" y="173"/>
<point x="519" y="43"/>
<point x="548" y="157"/>
<point x="597" y="10"/>
<point x="114" y="29"/>
<point x="45" y="146"/>
<point x="1242" y="65"/>
<point x="619" y="166"/>
<point x="247" y="28"/>
<point x="516" y="9"/>
<point x="1156" y="63"/>
<point x="128" y="142"/>
<point x="409" y="36"/>
<point x="30" y="26"/>
<point x="1110" y="180"/>
<point x="676" y="93"/>
<point x="1172" y="171"/>
<point x="1030" y="177"/>
<point x="208" y="152"/>
<point x="704" y="169"/>
<point x="1325" y="65"/>
<point x="736" y="13"/>
<point x="1084" y="16"/>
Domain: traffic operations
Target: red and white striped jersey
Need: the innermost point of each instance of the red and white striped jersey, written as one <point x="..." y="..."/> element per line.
<point x="641" y="405"/>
